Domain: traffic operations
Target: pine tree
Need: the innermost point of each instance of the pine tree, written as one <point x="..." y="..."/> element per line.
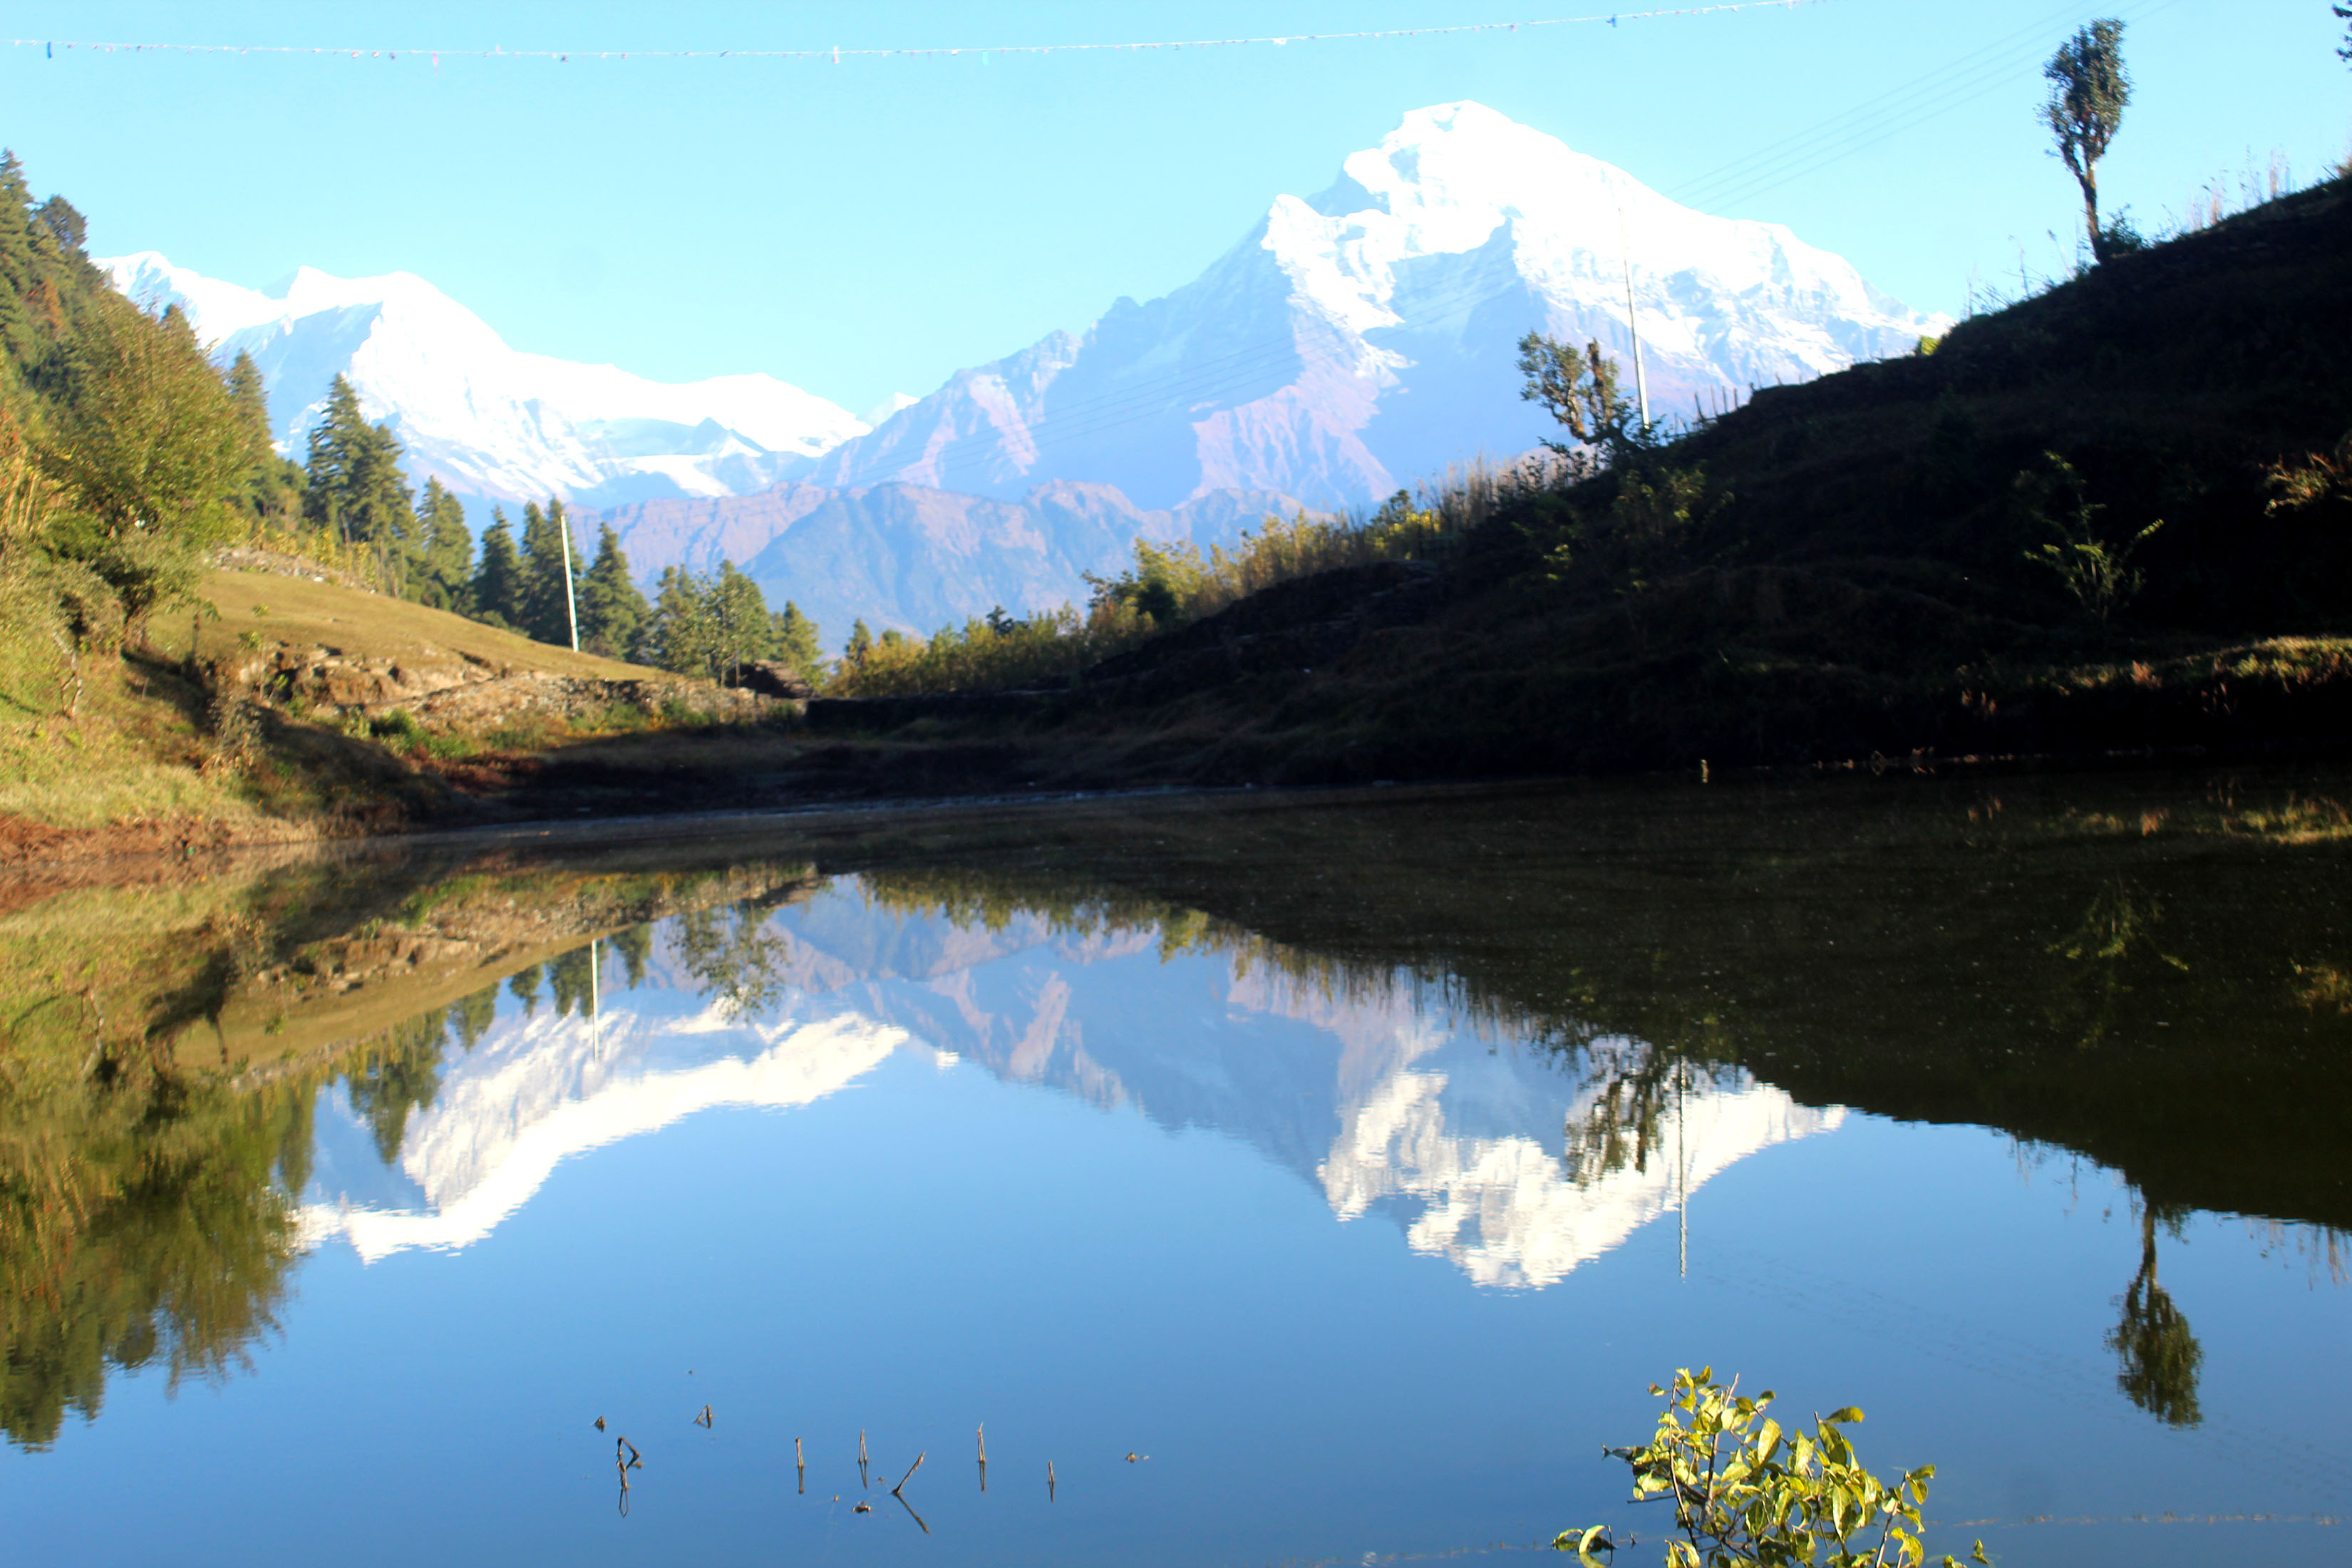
<point x="745" y="630"/>
<point x="274" y="493"/>
<point x="445" y="551"/>
<point x="16" y="265"/>
<point x="496" y="596"/>
<point x="682" y="637"/>
<point x="354" y="489"/>
<point x="796" y="643"/>
<point x="612" y="614"/>
<point x="860" y="644"/>
<point x="252" y="400"/>
<point x="546" y="608"/>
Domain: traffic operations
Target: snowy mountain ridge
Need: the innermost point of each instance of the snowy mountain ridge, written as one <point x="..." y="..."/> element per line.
<point x="488" y="419"/>
<point x="1365" y="338"/>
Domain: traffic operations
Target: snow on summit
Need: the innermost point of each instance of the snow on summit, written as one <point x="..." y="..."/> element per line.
<point x="1364" y="338"/>
<point x="491" y="420"/>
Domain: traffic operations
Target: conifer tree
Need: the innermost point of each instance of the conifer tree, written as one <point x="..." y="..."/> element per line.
<point x="745" y="630"/>
<point x="354" y="489"/>
<point x="796" y="643"/>
<point x="274" y="493"/>
<point x="612" y="614"/>
<point x="681" y="637"/>
<point x="497" y="594"/>
<point x="546" y="609"/>
<point x="445" y="551"/>
<point x="252" y="400"/>
<point x="860" y="644"/>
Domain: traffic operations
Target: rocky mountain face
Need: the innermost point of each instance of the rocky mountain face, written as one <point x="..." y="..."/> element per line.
<point x="1364" y="338"/>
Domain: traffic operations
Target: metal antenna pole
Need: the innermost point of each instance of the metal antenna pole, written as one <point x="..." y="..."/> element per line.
<point x="572" y="604"/>
<point x="1641" y="382"/>
<point x="1681" y="1169"/>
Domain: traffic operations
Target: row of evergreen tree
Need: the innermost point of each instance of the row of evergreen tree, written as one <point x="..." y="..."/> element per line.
<point x="127" y="457"/>
<point x="534" y="583"/>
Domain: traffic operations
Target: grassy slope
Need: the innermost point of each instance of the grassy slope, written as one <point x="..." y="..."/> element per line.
<point x="302" y="613"/>
<point x="136" y="761"/>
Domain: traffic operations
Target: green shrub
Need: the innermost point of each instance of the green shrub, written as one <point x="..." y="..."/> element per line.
<point x="1747" y="1494"/>
<point x="399" y="727"/>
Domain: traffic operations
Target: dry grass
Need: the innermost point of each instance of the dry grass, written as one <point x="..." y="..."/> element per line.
<point x="302" y="614"/>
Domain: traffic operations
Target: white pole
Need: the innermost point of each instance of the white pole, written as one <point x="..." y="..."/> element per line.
<point x="595" y="1008"/>
<point x="1641" y="382"/>
<point x="572" y="604"/>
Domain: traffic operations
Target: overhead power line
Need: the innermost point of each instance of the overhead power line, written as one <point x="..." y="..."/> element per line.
<point x="836" y="55"/>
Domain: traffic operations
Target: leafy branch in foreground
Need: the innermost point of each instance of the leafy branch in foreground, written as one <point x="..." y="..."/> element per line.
<point x="1749" y="1495"/>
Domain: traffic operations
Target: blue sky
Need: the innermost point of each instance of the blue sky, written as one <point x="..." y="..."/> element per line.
<point x="869" y="227"/>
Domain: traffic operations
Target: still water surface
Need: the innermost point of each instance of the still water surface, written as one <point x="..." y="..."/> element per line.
<point x="1353" y="1165"/>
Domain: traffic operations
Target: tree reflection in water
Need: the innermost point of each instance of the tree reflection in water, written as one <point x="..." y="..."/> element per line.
<point x="2064" y="977"/>
<point x="140" y="1226"/>
<point x="2159" y="1356"/>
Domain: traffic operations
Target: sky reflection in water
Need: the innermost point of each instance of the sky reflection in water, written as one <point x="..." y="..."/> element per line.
<point x="1350" y="1267"/>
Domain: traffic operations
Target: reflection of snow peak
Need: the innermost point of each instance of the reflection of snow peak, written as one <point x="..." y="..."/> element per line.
<point x="1504" y="1210"/>
<point x="538" y="1093"/>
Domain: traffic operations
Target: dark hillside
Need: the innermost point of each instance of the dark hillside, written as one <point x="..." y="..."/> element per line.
<point x="1837" y="572"/>
<point x="2173" y="378"/>
<point x="1845" y="569"/>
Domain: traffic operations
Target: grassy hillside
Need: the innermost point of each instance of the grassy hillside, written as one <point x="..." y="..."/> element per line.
<point x="282" y="705"/>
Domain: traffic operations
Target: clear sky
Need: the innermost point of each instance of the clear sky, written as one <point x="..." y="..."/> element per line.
<point x="869" y="227"/>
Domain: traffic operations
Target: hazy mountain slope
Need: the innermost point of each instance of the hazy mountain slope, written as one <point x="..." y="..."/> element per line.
<point x="1364" y="338"/>
<point x="490" y="421"/>
<point x="916" y="558"/>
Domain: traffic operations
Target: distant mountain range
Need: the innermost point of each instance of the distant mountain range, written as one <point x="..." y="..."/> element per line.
<point x="1351" y="344"/>
<point x="491" y="422"/>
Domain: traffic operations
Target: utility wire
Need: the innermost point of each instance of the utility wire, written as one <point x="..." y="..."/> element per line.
<point x="836" y="55"/>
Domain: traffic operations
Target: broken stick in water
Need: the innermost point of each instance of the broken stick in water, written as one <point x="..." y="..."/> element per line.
<point x="910" y="1476"/>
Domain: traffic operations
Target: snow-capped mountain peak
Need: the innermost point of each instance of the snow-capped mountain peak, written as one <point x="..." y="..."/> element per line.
<point x="488" y="419"/>
<point x="1364" y="338"/>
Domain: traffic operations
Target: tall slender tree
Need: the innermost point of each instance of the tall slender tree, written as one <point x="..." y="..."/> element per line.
<point x="274" y="494"/>
<point x="445" y="551"/>
<point x="611" y="611"/>
<point x="497" y="597"/>
<point x="546" y="549"/>
<point x="354" y="488"/>
<point x="681" y="636"/>
<point x="797" y="644"/>
<point x="2088" y="91"/>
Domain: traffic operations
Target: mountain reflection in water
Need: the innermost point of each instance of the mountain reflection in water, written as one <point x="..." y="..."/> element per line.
<point x="1382" y="1094"/>
<point x="1067" y="1118"/>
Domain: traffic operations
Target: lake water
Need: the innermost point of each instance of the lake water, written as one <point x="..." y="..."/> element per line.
<point x="1302" y="1179"/>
